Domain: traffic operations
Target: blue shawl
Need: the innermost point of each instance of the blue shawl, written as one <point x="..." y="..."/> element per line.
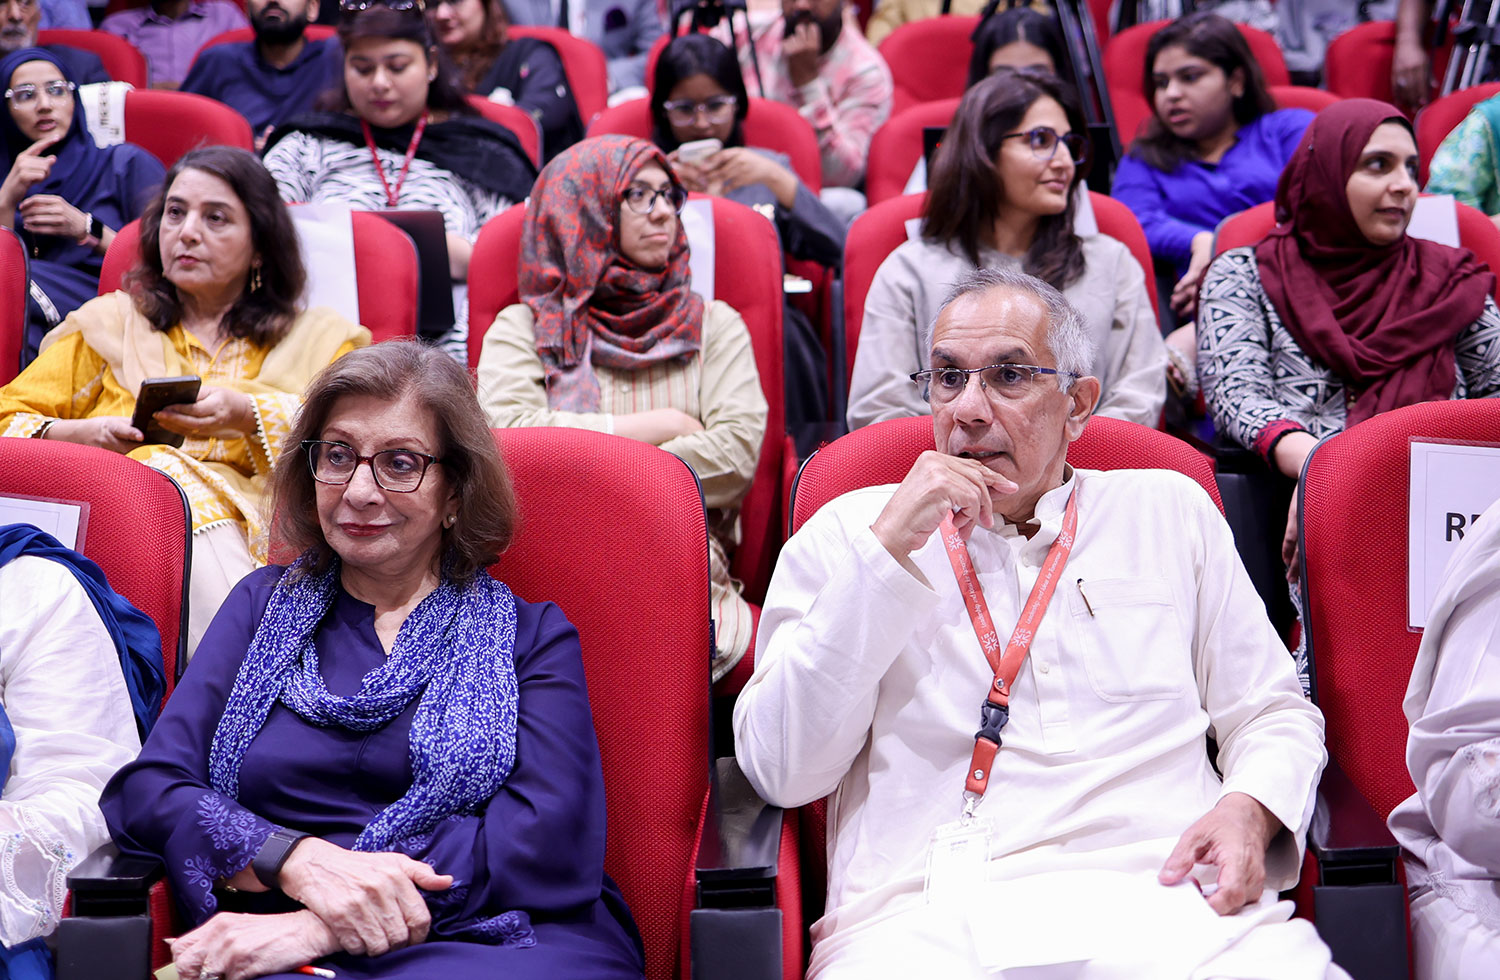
<point x="136" y="638"/>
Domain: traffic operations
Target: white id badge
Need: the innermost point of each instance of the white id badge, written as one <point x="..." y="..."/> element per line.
<point x="958" y="860"/>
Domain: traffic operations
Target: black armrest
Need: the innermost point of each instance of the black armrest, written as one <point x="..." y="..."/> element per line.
<point x="737" y="928"/>
<point x="1359" y="904"/>
<point x="107" y="883"/>
<point x="108" y="933"/>
<point x="1351" y="843"/>
<point x="737" y="857"/>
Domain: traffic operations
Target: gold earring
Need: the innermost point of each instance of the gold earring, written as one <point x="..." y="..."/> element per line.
<point x="254" y="278"/>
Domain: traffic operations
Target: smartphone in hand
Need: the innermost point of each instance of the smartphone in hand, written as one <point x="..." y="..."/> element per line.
<point x="696" y="151"/>
<point x="157" y="394"/>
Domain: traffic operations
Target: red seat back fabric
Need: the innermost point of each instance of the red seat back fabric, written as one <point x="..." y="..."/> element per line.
<point x="137" y="525"/>
<point x="120" y="58"/>
<point x="1357" y="64"/>
<point x="885" y="451"/>
<point x="169" y="124"/>
<point x="385" y="271"/>
<point x="1441" y="117"/>
<point x="1476" y="232"/>
<point x="877" y="233"/>
<point x="13" y="287"/>
<point x="640" y="604"/>
<point x="929" y="59"/>
<point x="770" y="125"/>
<point x="897" y="147"/>
<point x="313" y="32"/>
<point x="517" y="120"/>
<point x="1125" y="66"/>
<point x="1302" y="97"/>
<point x="747" y="276"/>
<point x="1355" y="491"/>
<point x="583" y="64"/>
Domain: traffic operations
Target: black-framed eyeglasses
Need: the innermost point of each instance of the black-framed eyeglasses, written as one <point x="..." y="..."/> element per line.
<point x="718" y="109"/>
<point x="26" y="93"/>
<point x="396" y="470"/>
<point x="355" y="6"/>
<point x="1044" y="140"/>
<point x="642" y="199"/>
<point x="998" y="380"/>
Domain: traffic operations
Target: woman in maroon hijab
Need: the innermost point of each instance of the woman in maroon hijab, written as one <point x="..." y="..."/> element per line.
<point x="1338" y="314"/>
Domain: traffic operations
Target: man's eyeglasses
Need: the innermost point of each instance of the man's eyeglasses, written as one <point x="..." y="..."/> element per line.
<point x="355" y="6"/>
<point x="1044" y="141"/>
<point x="396" y="470"/>
<point x="717" y="110"/>
<point x="998" y="380"/>
<point x="642" y="199"/>
<point x="26" y="94"/>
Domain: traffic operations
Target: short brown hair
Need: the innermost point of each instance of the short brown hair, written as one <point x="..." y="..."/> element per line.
<point x="263" y="315"/>
<point x="471" y="461"/>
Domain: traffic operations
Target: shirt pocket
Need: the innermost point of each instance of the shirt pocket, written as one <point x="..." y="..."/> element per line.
<point x="1133" y="643"/>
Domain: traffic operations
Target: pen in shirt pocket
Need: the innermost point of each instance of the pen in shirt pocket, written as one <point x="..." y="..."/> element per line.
<point x="1086" y="604"/>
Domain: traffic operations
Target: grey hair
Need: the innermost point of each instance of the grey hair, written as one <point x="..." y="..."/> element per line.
<point x="1067" y="335"/>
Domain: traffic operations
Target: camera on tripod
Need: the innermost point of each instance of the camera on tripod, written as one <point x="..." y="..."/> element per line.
<point x="706" y="14"/>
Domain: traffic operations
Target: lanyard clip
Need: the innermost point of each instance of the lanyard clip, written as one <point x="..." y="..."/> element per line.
<point x="971" y="802"/>
<point x="992" y="718"/>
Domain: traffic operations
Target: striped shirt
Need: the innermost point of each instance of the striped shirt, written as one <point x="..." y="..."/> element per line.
<point x="312" y="169"/>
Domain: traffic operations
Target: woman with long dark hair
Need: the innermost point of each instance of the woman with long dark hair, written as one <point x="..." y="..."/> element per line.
<point x="1017" y="37"/>
<point x="521" y="71"/>
<point x="1002" y="194"/>
<point x="401" y="135"/>
<point x="1214" y="145"/>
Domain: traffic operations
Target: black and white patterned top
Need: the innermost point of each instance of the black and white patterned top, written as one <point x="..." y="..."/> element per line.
<point x="312" y="169"/>
<point x="1259" y="383"/>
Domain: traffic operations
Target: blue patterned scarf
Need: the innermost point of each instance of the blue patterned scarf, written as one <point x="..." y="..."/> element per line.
<point x="456" y="651"/>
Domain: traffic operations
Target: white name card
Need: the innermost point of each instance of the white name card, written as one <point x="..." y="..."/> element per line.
<point x="60" y="518"/>
<point x="1451" y="485"/>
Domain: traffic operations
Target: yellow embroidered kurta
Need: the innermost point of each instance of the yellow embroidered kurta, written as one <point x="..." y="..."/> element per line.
<point x="92" y="365"/>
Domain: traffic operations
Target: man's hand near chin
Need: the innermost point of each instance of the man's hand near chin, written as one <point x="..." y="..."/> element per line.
<point x="1232" y="837"/>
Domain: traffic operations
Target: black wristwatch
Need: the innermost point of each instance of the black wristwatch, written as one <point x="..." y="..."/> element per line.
<point x="96" y="227"/>
<point x="273" y="854"/>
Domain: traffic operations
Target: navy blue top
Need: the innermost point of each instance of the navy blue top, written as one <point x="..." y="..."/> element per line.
<point x="1173" y="207"/>
<point x="537" y="846"/>
<point x="239" y="77"/>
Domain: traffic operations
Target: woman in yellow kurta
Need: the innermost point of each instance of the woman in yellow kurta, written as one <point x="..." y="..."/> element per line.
<point x="215" y="295"/>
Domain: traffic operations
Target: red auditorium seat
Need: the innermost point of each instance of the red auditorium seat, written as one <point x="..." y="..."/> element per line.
<point x="14" y="280"/>
<point x="168" y="124"/>
<point x="121" y="60"/>
<point x="136" y="527"/>
<point x="1125" y="66"/>
<point x="520" y="122"/>
<point x="1354" y="589"/>
<point x="877" y="232"/>
<point x="929" y="59"/>
<point x="314" y="32"/>
<point x="583" y="64"/>
<point x="898" y="146"/>
<point x="385" y="270"/>
<point x="1475" y="232"/>
<point x="1357" y="64"/>
<point x="747" y="276"/>
<point x="1442" y="117"/>
<point x="768" y="124"/>
<point x="1302" y="97"/>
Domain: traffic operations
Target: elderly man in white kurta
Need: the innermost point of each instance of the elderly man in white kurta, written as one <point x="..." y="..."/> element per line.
<point x="1450" y="828"/>
<point x="1103" y="816"/>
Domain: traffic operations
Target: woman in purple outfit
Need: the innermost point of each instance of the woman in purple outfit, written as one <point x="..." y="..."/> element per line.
<point x="381" y="761"/>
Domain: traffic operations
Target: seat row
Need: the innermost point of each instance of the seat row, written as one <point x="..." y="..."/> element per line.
<point x="642" y="611"/>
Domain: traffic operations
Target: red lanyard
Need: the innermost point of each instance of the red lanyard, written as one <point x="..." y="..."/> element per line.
<point x="995" y="711"/>
<point x="392" y="196"/>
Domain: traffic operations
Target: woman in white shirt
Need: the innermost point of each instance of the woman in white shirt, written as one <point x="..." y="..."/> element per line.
<point x="1002" y="194"/>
